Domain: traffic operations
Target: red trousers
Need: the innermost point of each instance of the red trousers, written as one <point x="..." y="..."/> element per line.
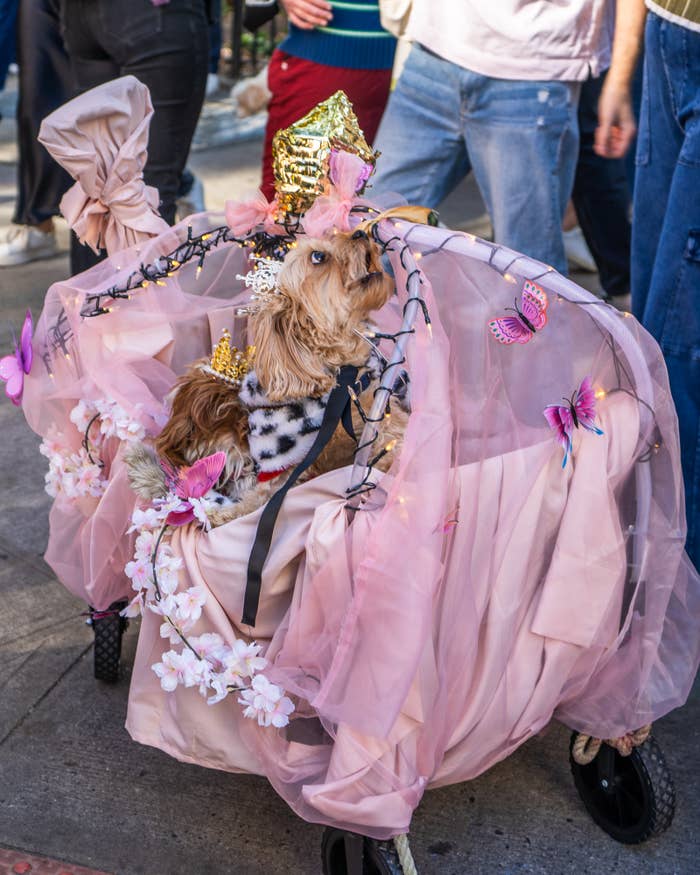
<point x="298" y="85"/>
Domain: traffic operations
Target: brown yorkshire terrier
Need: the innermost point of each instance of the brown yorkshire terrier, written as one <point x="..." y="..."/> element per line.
<point x="308" y="327"/>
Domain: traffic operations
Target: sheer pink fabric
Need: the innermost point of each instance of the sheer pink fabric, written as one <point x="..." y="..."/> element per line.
<point x="101" y="138"/>
<point x="481" y="591"/>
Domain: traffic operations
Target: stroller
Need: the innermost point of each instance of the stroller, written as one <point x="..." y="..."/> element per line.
<point x="427" y="621"/>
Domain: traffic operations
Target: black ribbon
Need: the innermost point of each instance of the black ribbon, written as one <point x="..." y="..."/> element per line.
<point x="337" y="410"/>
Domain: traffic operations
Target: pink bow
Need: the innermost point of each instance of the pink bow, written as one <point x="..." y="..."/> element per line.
<point x="243" y="216"/>
<point x="101" y="138"/>
<point x="348" y="175"/>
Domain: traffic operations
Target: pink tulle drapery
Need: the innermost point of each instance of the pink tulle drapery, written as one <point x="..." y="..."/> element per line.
<point x="480" y="592"/>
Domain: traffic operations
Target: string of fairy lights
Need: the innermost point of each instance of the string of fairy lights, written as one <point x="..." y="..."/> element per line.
<point x="194" y="248"/>
<point x="263" y="244"/>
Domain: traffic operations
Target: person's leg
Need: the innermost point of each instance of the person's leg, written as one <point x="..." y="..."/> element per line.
<point x="522" y="140"/>
<point x="90" y="66"/>
<point x="45" y="82"/>
<point x="602" y="199"/>
<point x="166" y="48"/>
<point x="8" y="15"/>
<point x="666" y="233"/>
<point x="420" y="136"/>
<point x="298" y="85"/>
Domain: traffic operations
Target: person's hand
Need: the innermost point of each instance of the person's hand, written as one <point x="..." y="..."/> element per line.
<point x="308" y="14"/>
<point x="616" y="122"/>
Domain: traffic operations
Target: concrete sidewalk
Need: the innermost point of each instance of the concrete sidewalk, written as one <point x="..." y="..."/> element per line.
<point x="74" y="787"/>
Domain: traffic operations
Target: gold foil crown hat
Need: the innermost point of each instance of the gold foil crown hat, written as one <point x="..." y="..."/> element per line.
<point x="301" y="153"/>
<point x="229" y="363"/>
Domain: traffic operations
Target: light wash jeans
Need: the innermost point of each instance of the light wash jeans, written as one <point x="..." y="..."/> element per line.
<point x="519" y="137"/>
<point x="666" y="232"/>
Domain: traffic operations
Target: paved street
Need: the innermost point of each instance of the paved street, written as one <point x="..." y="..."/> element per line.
<point x="74" y="787"/>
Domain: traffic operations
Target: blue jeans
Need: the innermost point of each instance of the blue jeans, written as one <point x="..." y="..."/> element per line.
<point x="519" y="137"/>
<point x="666" y="232"/>
<point x="8" y="14"/>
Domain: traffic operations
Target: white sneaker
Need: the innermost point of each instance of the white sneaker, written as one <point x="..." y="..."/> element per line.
<point x="577" y="252"/>
<point x="25" y="243"/>
<point x="192" y="202"/>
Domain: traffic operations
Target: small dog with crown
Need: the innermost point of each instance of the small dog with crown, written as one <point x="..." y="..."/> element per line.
<point x="264" y="406"/>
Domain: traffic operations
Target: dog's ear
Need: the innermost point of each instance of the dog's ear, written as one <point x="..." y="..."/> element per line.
<point x="177" y="433"/>
<point x="286" y="364"/>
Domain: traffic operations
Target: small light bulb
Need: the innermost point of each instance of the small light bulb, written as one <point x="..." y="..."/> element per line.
<point x="600" y="393"/>
<point x="390" y="446"/>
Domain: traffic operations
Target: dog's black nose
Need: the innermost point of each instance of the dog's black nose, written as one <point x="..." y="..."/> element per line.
<point x="360" y="235"/>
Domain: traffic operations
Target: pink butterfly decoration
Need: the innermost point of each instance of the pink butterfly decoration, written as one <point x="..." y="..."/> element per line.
<point x="530" y="316"/>
<point x="579" y="410"/>
<point x="14" y="367"/>
<point x="192" y="482"/>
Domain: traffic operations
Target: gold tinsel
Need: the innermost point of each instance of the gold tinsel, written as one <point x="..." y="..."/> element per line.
<point x="301" y="153"/>
<point x="229" y="363"/>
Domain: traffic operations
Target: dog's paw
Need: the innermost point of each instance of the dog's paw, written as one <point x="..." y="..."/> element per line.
<point x="146" y="477"/>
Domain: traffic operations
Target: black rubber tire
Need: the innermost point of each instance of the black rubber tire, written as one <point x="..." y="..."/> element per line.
<point x="378" y="858"/>
<point x="108" y="633"/>
<point x="638" y="803"/>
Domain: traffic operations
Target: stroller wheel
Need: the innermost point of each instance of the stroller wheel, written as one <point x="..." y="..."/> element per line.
<point x="632" y="798"/>
<point x="108" y="628"/>
<point x="346" y="853"/>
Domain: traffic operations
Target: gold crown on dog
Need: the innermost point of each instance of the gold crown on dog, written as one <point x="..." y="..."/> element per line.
<point x="228" y="362"/>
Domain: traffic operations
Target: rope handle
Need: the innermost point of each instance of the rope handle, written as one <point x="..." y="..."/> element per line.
<point x="403" y="849"/>
<point x="586" y="747"/>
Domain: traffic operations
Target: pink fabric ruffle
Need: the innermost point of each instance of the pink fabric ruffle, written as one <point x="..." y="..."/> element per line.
<point x="244" y="216"/>
<point x="101" y="138"/>
<point x="348" y="173"/>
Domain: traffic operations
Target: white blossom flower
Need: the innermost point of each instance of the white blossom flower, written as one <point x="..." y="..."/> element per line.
<point x="139" y="572"/>
<point x="81" y="415"/>
<point x="265" y="702"/>
<point x="134" y="608"/>
<point x="148" y="517"/>
<point x="209" y="645"/>
<point x="200" y="506"/>
<point x="169" y="631"/>
<point x="190" y="603"/>
<point x="247" y="657"/>
<point x="218" y="684"/>
<point x="170" y="670"/>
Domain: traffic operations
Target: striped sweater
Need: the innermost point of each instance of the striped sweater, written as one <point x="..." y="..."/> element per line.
<point x="354" y="38"/>
<point x="683" y="12"/>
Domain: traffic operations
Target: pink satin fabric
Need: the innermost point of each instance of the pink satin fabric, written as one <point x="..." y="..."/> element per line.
<point x="101" y="139"/>
<point x="243" y="216"/>
<point x="481" y="591"/>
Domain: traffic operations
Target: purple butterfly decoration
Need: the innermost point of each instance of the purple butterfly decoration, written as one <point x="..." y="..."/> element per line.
<point x="14" y="367"/>
<point x="192" y="482"/>
<point x="530" y="316"/>
<point x="578" y="411"/>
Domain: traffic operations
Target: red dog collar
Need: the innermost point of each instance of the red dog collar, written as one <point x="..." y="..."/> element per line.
<point x="264" y="476"/>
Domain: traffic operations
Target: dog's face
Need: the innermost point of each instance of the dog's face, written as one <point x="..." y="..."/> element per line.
<point x="304" y="334"/>
<point x="206" y="416"/>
